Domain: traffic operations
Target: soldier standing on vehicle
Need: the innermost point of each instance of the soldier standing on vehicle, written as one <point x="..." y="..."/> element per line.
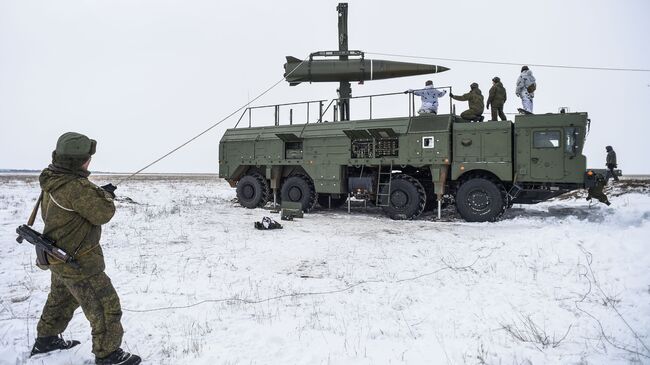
<point x="429" y="97"/>
<point x="497" y="98"/>
<point x="526" y="86"/>
<point x="476" y="104"/>
<point x="73" y="210"/>
<point x="611" y="164"/>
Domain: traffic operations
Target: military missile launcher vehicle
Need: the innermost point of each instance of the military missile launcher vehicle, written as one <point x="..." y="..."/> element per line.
<point x="403" y="164"/>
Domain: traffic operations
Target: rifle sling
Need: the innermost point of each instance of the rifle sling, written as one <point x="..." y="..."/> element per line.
<point x="32" y="218"/>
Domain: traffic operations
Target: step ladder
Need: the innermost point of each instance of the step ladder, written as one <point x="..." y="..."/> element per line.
<point x="514" y="190"/>
<point x="384" y="179"/>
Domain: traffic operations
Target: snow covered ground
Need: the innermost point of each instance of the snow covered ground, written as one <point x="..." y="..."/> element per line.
<point x="555" y="283"/>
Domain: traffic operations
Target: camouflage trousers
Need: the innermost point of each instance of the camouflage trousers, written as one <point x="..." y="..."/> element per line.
<point x="497" y="110"/>
<point x="470" y="114"/>
<point x="527" y="102"/>
<point x="597" y="192"/>
<point x="98" y="299"/>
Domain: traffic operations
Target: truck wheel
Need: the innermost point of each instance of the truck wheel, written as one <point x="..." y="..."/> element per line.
<point x="324" y="201"/>
<point x="253" y="191"/>
<point x="299" y="188"/>
<point x="479" y="200"/>
<point x="407" y="198"/>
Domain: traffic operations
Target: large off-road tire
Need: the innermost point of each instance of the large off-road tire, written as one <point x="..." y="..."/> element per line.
<point x="325" y="202"/>
<point x="407" y="198"/>
<point x="299" y="188"/>
<point x="480" y="200"/>
<point x="253" y="191"/>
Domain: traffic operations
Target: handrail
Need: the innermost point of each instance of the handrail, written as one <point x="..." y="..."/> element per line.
<point x="285" y="104"/>
<point x="322" y="111"/>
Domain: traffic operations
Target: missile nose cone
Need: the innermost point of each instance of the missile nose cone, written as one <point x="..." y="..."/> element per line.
<point x="441" y="69"/>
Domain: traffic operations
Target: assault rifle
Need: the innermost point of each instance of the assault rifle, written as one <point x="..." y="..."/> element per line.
<point x="44" y="247"/>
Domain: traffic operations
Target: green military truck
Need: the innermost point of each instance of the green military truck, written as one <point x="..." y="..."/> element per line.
<point x="408" y="164"/>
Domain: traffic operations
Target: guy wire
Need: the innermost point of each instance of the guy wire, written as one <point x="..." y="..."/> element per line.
<point x="511" y="63"/>
<point x="212" y="126"/>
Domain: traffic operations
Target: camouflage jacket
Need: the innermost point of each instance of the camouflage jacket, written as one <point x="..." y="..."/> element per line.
<point x="525" y="79"/>
<point x="73" y="210"/>
<point x="475" y="99"/>
<point x="497" y="96"/>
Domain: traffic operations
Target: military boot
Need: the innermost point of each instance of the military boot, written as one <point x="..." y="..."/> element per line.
<point x="118" y="357"/>
<point x="51" y="343"/>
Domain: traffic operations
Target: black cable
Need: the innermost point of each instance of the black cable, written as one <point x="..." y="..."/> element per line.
<point x="212" y="126"/>
<point x="512" y="63"/>
<point x="303" y="294"/>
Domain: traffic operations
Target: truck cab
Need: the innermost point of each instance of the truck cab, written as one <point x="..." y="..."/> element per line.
<point x="547" y="152"/>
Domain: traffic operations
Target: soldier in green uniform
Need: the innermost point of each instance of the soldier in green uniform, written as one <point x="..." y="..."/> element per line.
<point x="476" y="104"/>
<point x="497" y="98"/>
<point x="74" y="209"/>
<point x="597" y="190"/>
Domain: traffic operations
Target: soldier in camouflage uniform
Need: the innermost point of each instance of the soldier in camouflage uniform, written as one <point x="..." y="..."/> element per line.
<point x="476" y="104"/>
<point x="597" y="190"/>
<point x="526" y="85"/>
<point x="74" y="210"/>
<point x="497" y="98"/>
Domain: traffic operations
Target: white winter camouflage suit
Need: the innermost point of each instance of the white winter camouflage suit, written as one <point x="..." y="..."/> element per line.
<point x="523" y="82"/>
<point x="429" y="97"/>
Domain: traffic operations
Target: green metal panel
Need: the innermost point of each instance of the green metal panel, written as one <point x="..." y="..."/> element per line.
<point x="523" y="142"/>
<point x="501" y="169"/>
<point x="547" y="154"/>
<point x="288" y="137"/>
<point x="327" y="150"/>
<point x="484" y="146"/>
<point x="357" y="134"/>
<point x="467" y="146"/>
<point x="224" y="170"/>
<point x="380" y="133"/>
<point x="430" y="123"/>
<point x="440" y="153"/>
<point x="328" y="178"/>
<point x="243" y="151"/>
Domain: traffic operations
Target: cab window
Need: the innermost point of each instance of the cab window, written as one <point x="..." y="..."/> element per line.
<point x="546" y="139"/>
<point x="571" y="137"/>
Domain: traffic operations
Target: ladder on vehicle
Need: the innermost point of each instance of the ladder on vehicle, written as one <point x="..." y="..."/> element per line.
<point x="514" y="190"/>
<point x="383" y="181"/>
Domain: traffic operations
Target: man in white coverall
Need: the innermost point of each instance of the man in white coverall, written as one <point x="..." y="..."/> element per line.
<point x="526" y="88"/>
<point x="429" y="97"/>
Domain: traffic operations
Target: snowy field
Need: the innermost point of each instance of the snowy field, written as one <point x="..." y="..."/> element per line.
<point x="561" y="282"/>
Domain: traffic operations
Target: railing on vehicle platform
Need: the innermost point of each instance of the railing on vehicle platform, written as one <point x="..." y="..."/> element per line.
<point x="323" y="106"/>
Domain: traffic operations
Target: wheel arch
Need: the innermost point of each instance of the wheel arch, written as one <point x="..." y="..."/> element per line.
<point x="479" y="173"/>
<point x="243" y="170"/>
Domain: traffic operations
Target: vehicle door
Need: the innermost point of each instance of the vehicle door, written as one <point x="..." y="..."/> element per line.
<point x="547" y="154"/>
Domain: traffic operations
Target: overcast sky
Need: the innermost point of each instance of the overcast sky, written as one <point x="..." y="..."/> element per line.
<point x="141" y="77"/>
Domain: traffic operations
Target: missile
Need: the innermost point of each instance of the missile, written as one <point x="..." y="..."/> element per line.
<point x="352" y="70"/>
